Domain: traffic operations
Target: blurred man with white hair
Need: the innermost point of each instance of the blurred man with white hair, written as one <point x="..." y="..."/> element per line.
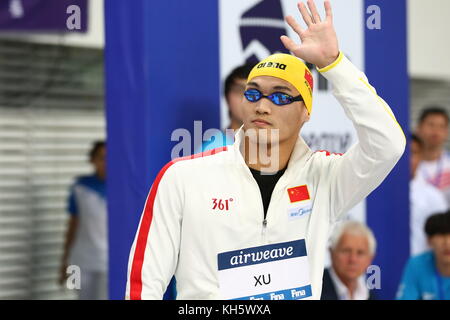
<point x="352" y="250"/>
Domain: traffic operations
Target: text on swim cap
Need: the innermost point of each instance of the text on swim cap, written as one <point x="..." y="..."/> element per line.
<point x="272" y="65"/>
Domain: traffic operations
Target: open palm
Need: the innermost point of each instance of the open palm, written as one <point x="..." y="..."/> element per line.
<point x="319" y="44"/>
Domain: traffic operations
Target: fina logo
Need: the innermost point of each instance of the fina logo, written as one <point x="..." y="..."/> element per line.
<point x="261" y="28"/>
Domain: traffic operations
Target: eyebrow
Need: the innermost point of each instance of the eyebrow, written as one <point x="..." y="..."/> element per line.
<point x="254" y="84"/>
<point x="282" y="88"/>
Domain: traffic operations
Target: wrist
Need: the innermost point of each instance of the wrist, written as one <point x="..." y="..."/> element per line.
<point x="332" y="65"/>
<point x="328" y="61"/>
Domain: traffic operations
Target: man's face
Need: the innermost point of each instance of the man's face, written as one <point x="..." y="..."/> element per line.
<point x="440" y="243"/>
<point x="264" y="114"/>
<point x="415" y="157"/>
<point x="351" y="257"/>
<point x="434" y="131"/>
<point x="99" y="162"/>
<point x="234" y="99"/>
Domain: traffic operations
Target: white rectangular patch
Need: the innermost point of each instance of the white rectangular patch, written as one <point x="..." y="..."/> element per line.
<point x="271" y="272"/>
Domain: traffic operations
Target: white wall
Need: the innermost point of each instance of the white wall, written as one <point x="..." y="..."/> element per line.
<point x="94" y="38"/>
<point x="429" y="39"/>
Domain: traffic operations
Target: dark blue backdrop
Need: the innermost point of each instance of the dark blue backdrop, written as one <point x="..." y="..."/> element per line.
<point x="162" y="73"/>
<point x="388" y="206"/>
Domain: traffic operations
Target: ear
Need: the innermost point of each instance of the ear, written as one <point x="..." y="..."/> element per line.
<point x="308" y="117"/>
<point x="304" y="116"/>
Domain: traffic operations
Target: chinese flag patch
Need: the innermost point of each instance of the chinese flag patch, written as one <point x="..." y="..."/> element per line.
<point x="309" y="78"/>
<point x="297" y="194"/>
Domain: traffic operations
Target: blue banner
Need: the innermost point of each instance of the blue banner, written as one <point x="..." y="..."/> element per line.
<point x="162" y="73"/>
<point x="289" y="294"/>
<point x="43" y="15"/>
<point x="388" y="206"/>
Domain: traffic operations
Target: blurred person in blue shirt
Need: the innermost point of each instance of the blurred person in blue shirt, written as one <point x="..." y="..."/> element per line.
<point x="427" y="276"/>
<point x="86" y="244"/>
<point x="234" y="93"/>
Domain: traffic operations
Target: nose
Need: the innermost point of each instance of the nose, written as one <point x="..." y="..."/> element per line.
<point x="263" y="106"/>
<point x="353" y="258"/>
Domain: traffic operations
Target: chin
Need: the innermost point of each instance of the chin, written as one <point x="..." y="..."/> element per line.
<point x="445" y="258"/>
<point x="353" y="274"/>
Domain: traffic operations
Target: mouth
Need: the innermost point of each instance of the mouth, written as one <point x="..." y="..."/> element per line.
<point x="261" y="123"/>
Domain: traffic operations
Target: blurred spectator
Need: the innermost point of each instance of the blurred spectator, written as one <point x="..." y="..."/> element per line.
<point x="352" y="250"/>
<point x="86" y="243"/>
<point x="435" y="165"/>
<point x="425" y="200"/>
<point x="427" y="276"/>
<point x="234" y="92"/>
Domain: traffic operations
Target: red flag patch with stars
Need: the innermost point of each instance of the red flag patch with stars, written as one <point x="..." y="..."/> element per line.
<point x="309" y="78"/>
<point x="299" y="193"/>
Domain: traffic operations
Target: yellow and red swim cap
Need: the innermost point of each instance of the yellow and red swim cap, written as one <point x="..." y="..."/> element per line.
<point x="289" y="68"/>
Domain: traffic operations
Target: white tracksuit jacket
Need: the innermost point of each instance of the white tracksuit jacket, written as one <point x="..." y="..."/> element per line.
<point x="182" y="233"/>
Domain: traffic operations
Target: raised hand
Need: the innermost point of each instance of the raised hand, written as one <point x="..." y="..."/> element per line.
<point x="319" y="44"/>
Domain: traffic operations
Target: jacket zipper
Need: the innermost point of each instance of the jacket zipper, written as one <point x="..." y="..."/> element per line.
<point x="264" y="228"/>
<point x="264" y="222"/>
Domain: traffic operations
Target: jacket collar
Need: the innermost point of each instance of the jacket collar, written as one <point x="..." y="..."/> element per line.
<point x="299" y="156"/>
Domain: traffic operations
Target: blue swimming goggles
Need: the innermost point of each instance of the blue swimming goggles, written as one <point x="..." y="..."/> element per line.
<point x="278" y="98"/>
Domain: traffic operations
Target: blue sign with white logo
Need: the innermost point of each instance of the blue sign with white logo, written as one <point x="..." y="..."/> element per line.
<point x="263" y="254"/>
<point x="271" y="272"/>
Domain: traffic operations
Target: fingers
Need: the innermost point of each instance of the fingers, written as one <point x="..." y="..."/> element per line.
<point x="305" y="14"/>
<point x="312" y="15"/>
<point x="288" y="43"/>
<point x="294" y="25"/>
<point x="313" y="9"/>
<point x="328" y="10"/>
